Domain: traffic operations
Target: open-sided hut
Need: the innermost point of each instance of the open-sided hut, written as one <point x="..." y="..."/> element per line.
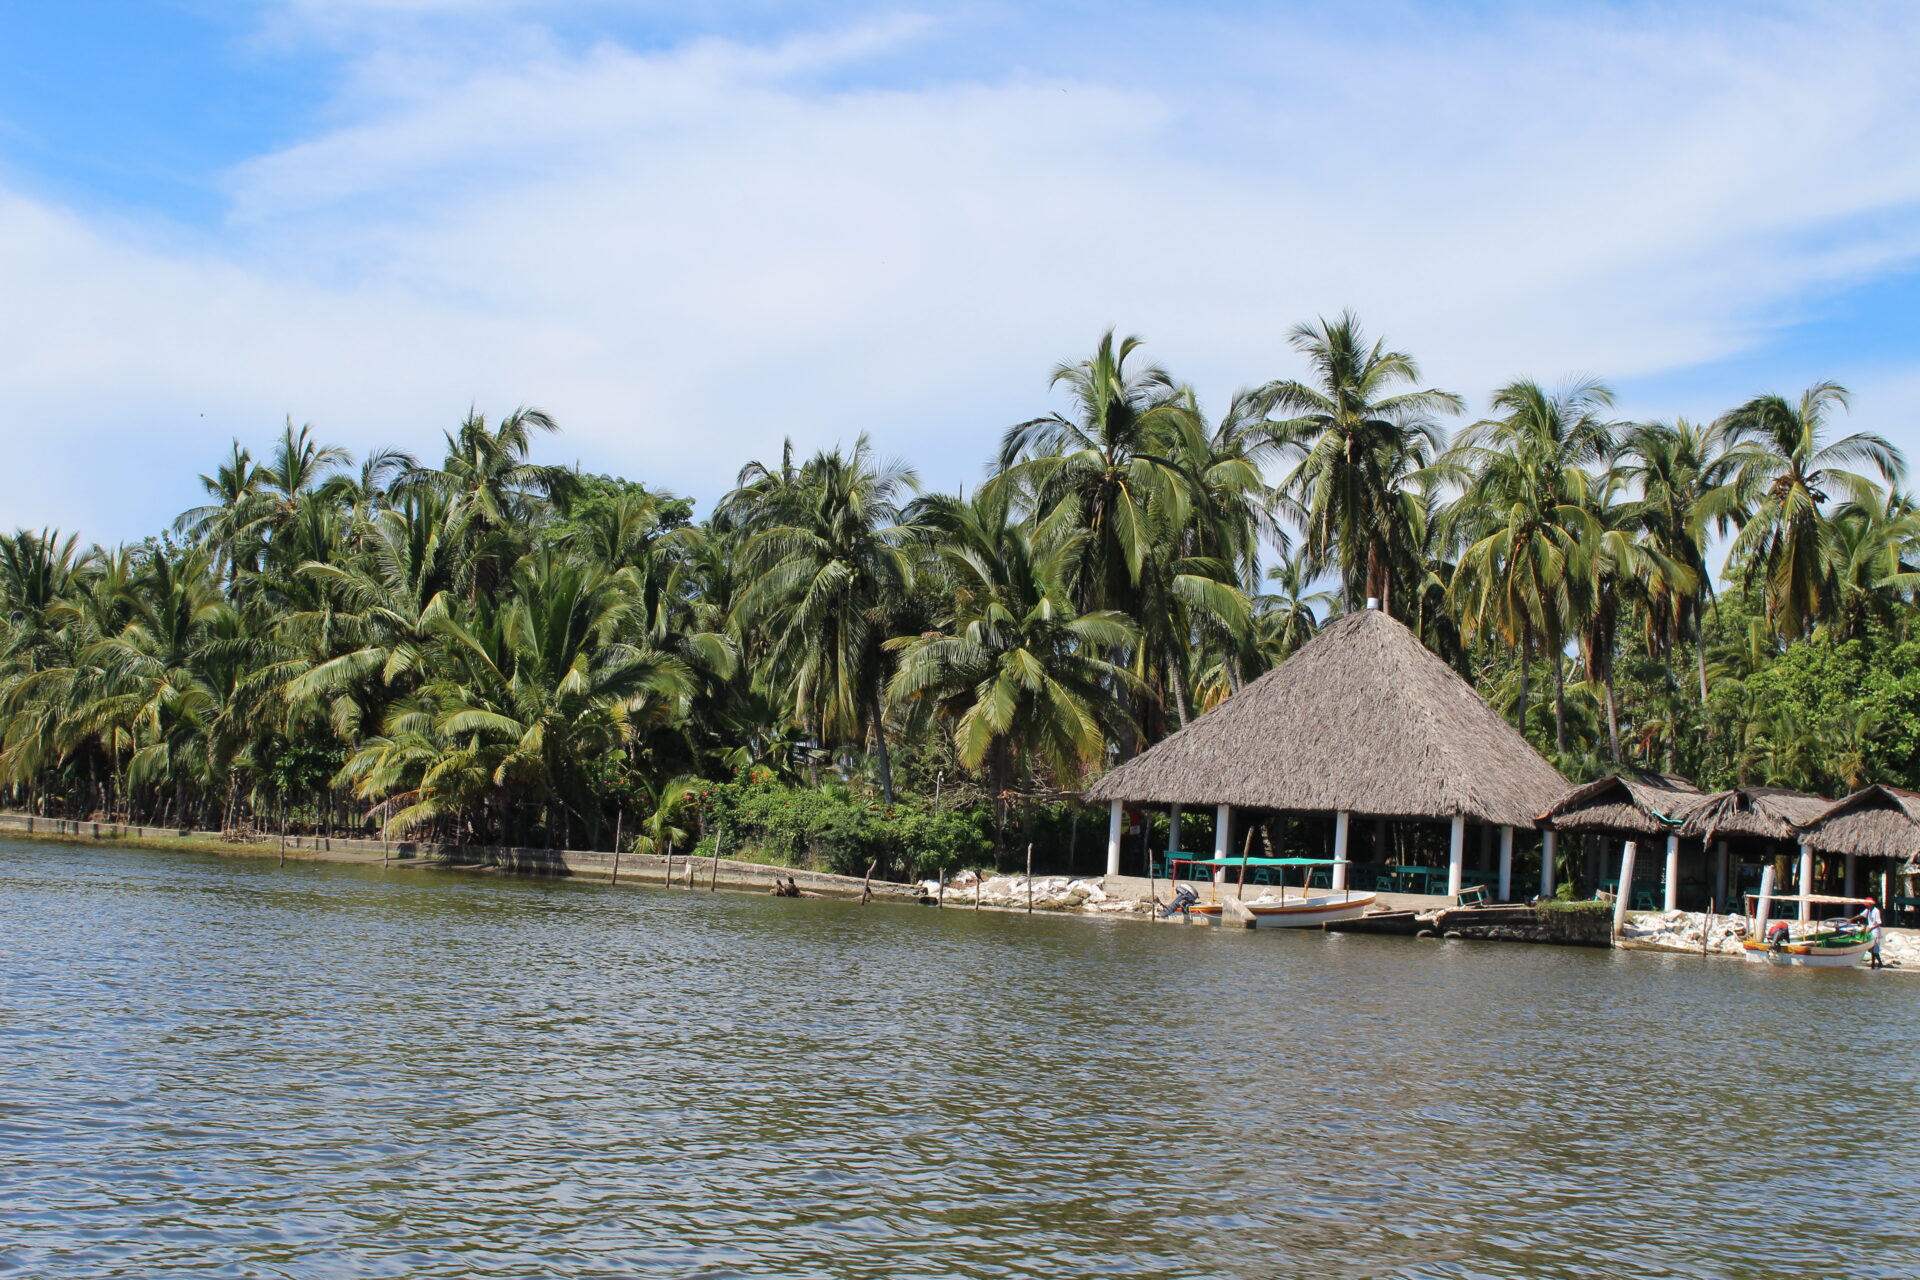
<point x="1771" y="816"/>
<point x="1362" y="720"/>
<point x="1875" y="822"/>
<point x="1633" y="806"/>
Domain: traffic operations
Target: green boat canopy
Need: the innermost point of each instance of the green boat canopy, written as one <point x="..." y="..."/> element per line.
<point x="1197" y="860"/>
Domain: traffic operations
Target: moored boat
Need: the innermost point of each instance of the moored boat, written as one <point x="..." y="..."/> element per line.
<point x="1838" y="942"/>
<point x="1274" y="908"/>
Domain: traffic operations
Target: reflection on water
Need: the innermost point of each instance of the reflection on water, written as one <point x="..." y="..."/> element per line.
<point x="216" y="1067"/>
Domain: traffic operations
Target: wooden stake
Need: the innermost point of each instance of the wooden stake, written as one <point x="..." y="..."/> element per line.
<point x="713" y="878"/>
<point x="619" y="815"/>
<point x="666" y="881"/>
<point x="866" y="886"/>
<point x="1029" y="879"/>
<point x="941" y="896"/>
<point x="1706" y="929"/>
<point x="976" y="891"/>
<point x="1240" y="890"/>
<point x="283" y="833"/>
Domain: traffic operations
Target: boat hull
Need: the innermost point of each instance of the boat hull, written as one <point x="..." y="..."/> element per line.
<point x="1802" y="955"/>
<point x="1295" y="913"/>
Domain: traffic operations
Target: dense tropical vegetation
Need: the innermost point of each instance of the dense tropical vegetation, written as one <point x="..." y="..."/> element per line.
<point x="834" y="664"/>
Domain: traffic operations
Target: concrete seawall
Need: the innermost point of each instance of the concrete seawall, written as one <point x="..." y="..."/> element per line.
<point x="634" y="868"/>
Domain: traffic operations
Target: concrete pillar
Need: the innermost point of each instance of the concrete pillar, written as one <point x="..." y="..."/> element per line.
<point x="1806" y="881"/>
<point x="1457" y="854"/>
<point x="1546" y="861"/>
<point x="1627" y="852"/>
<point x="1342" y="824"/>
<point x="1765" y="909"/>
<point x="1853" y="878"/>
<point x="1673" y="874"/>
<point x="1222" y="839"/>
<point x="1720" y="874"/>
<point x="1173" y="830"/>
<point x="1113" y="839"/>
<point x="1506" y="863"/>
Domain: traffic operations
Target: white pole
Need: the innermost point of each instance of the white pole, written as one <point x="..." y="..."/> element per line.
<point x="1173" y="830"/>
<point x="1765" y="908"/>
<point x="1626" y="886"/>
<point x="1673" y="873"/>
<point x="1222" y="840"/>
<point x="1852" y="877"/>
<point x="1457" y="855"/>
<point x="1546" y="862"/>
<point x="1720" y="874"/>
<point x="1806" y="882"/>
<point x="1506" y="863"/>
<point x="1342" y="823"/>
<point x="1113" y="839"/>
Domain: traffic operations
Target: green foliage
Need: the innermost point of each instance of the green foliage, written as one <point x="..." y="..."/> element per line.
<point x="830" y="829"/>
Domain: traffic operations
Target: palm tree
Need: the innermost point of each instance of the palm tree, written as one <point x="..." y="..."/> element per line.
<point x="1785" y="470"/>
<point x="1362" y="445"/>
<point x="1014" y="667"/>
<point x="1873" y="563"/>
<point x="1525" y="514"/>
<point x="1104" y="469"/>
<point x="830" y="586"/>
<point x="1682" y="481"/>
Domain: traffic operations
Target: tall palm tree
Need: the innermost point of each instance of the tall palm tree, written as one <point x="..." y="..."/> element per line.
<point x="1362" y="443"/>
<point x="1873" y="563"/>
<point x="1525" y="514"/>
<point x="830" y="586"/>
<point x="1103" y="469"/>
<point x="1786" y="470"/>
<point x="1681" y="477"/>
<point x="1014" y="667"/>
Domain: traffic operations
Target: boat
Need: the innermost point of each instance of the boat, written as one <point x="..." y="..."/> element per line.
<point x="1274" y="909"/>
<point x="1838" y="942"/>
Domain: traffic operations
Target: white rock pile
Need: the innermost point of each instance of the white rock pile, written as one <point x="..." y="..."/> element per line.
<point x="1680" y="930"/>
<point x="1050" y="893"/>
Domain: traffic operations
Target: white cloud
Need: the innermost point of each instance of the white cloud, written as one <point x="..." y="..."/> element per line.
<point x="687" y="254"/>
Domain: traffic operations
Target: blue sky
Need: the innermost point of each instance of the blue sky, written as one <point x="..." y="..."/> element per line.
<point x="689" y="231"/>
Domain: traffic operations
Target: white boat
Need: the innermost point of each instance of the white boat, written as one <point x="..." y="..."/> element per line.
<point x="1308" y="912"/>
<point x="1276" y="908"/>
<point x="1836" y="943"/>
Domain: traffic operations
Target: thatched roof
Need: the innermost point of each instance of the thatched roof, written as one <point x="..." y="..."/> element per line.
<point x="1362" y="718"/>
<point x="1764" y="813"/>
<point x="1877" y="822"/>
<point x="1634" y="803"/>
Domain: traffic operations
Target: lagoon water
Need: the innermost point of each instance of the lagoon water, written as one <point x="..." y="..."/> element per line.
<point x="223" y="1067"/>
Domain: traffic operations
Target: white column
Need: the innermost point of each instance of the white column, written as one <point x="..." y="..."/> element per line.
<point x="1762" y="912"/>
<point x="1222" y="839"/>
<point x="1673" y="873"/>
<point x="1806" y="881"/>
<point x="1342" y="823"/>
<point x="1456" y="854"/>
<point x="1853" y="878"/>
<point x="1546" y="861"/>
<point x="1113" y="839"/>
<point x="1173" y="830"/>
<point x="1506" y="863"/>
<point x="1720" y="875"/>
<point x="1626" y="886"/>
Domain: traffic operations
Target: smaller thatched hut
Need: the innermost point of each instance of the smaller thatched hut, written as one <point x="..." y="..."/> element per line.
<point x="1634" y="806"/>
<point x="1875" y="822"/>
<point x="1767" y="816"/>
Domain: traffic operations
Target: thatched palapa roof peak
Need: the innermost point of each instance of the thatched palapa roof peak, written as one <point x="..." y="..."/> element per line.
<point x="1875" y="822"/>
<point x="1635" y="802"/>
<point x="1362" y="718"/>
<point x="1764" y="813"/>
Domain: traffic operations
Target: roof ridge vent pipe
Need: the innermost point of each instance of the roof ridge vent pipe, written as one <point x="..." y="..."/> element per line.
<point x="1373" y="602"/>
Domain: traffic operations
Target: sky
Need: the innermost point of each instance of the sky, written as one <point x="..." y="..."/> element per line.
<point x="691" y="231"/>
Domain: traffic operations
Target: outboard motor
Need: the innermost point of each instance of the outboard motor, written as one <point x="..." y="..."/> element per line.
<point x="1183" y="898"/>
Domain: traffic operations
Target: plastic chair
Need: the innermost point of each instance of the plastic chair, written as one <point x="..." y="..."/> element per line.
<point x="1644" y="900"/>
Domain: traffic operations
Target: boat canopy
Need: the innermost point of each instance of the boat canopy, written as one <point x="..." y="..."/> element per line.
<point x="1198" y="861"/>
